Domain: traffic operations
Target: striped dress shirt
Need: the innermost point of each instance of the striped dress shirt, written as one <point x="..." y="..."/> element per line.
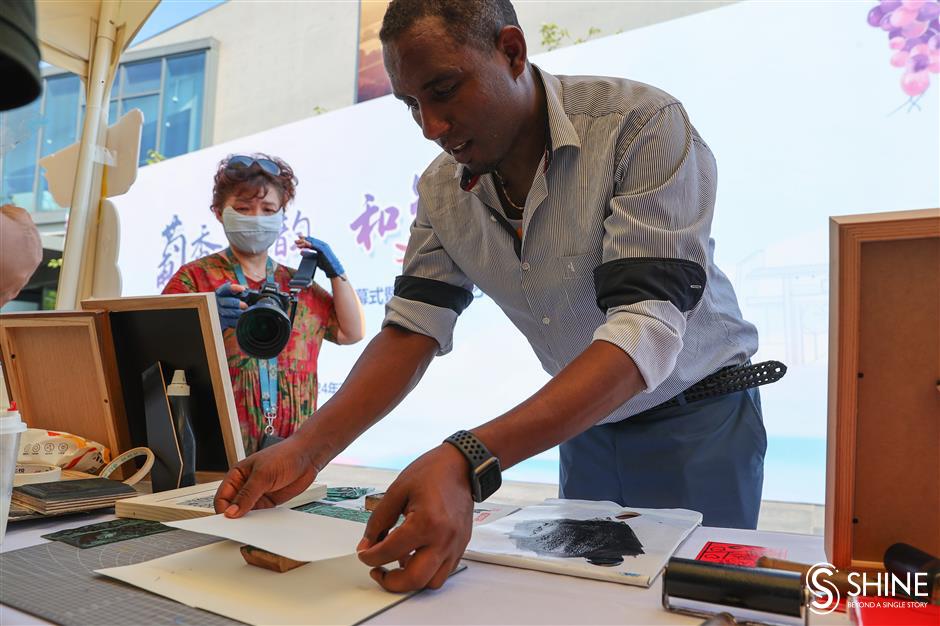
<point x="615" y="243"/>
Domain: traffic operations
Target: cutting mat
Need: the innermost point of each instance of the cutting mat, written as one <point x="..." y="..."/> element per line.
<point x="55" y="581"/>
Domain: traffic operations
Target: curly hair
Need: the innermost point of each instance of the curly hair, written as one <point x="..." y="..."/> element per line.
<point x="474" y="22"/>
<point x="252" y="182"/>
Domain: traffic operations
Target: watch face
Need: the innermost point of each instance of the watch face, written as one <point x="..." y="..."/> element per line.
<point x="489" y="479"/>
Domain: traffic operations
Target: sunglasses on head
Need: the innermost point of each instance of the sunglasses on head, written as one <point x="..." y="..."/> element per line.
<point x="241" y="162"/>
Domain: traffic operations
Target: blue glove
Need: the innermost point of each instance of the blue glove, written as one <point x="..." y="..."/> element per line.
<point x="229" y="306"/>
<point x="326" y="260"/>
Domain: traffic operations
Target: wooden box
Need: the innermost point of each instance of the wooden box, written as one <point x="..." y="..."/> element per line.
<point x="883" y="450"/>
<point x="182" y="332"/>
<point x="80" y="371"/>
<point x="62" y="373"/>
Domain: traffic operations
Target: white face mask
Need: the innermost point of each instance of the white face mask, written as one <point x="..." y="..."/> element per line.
<point x="251" y="233"/>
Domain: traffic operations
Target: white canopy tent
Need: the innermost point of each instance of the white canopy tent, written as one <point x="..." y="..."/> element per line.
<point x="87" y="37"/>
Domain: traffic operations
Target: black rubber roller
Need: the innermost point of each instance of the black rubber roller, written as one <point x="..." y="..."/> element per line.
<point x="908" y="563"/>
<point x="770" y="591"/>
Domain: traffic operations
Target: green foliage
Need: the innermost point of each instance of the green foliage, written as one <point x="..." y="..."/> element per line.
<point x="49" y="297"/>
<point x="55" y="263"/>
<point x="554" y="36"/>
<point x="154" y="157"/>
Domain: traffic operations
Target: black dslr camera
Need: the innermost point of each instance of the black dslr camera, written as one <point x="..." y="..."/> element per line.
<point x="265" y="327"/>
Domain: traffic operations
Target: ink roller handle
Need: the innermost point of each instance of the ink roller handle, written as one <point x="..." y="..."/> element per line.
<point x="840" y="578"/>
<point x="741" y="587"/>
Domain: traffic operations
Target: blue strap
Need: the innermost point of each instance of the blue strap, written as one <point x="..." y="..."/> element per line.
<point x="267" y="369"/>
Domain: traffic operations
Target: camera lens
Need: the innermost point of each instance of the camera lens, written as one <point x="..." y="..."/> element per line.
<point x="263" y="329"/>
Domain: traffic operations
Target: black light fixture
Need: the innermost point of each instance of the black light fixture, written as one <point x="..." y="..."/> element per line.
<point x="19" y="54"/>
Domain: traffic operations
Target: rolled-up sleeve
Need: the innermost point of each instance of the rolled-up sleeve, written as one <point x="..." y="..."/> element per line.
<point x="656" y="236"/>
<point x="432" y="291"/>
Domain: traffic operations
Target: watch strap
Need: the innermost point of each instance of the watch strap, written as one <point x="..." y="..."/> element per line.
<point x="471" y="447"/>
<point x="485" y="476"/>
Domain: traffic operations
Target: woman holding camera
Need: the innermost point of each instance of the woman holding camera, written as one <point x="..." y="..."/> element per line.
<point x="272" y="396"/>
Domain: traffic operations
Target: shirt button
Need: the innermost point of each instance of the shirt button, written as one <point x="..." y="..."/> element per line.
<point x="525" y="267"/>
<point x="492" y="218"/>
<point x="546" y="321"/>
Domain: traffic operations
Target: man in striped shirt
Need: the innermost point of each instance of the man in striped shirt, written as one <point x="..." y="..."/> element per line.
<point x="582" y="206"/>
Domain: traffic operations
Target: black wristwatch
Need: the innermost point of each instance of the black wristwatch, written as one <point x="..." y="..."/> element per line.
<point x="485" y="476"/>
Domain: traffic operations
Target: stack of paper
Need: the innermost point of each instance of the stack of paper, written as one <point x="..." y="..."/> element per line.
<point x="71" y="495"/>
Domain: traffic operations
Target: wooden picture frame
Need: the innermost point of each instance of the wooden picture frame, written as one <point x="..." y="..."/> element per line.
<point x="883" y="447"/>
<point x="62" y="373"/>
<point x="181" y="331"/>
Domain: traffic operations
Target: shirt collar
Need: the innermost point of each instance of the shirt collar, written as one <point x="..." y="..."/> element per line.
<point x="560" y="130"/>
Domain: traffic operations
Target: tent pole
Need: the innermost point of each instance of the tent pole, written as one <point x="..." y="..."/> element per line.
<point x="71" y="287"/>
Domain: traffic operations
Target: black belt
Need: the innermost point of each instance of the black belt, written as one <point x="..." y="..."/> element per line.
<point x="728" y="380"/>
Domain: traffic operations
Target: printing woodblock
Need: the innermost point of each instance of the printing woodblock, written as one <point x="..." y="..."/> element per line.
<point x="269" y="560"/>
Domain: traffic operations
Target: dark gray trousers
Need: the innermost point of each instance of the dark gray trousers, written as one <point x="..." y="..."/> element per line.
<point x="707" y="456"/>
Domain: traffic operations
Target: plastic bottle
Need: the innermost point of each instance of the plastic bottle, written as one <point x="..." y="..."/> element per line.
<point x="177" y="392"/>
<point x="11" y="426"/>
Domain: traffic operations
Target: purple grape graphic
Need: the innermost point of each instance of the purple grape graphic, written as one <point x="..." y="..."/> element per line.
<point x="913" y="37"/>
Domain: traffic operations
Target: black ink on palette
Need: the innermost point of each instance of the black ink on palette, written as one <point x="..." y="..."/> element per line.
<point x="601" y="541"/>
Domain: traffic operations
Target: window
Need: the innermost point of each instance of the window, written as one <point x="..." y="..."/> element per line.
<point x="182" y="104"/>
<point x="169" y="90"/>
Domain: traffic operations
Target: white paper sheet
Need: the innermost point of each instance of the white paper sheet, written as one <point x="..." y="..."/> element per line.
<point x="216" y="578"/>
<point x="542" y="537"/>
<point x="296" y="535"/>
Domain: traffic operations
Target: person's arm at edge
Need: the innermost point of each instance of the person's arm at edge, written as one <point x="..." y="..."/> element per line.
<point x="20" y="250"/>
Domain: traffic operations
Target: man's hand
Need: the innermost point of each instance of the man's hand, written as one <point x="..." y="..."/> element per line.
<point x="434" y="495"/>
<point x="265" y="479"/>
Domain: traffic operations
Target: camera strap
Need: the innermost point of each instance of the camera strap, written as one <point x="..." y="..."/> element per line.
<point x="304" y="274"/>
<point x="267" y="368"/>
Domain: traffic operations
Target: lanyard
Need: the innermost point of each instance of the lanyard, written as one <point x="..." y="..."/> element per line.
<point x="267" y="368"/>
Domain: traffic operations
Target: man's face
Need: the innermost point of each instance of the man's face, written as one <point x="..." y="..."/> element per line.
<point x="464" y="99"/>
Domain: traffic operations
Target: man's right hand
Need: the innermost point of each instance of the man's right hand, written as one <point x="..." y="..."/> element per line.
<point x="266" y="479"/>
<point x="229" y="305"/>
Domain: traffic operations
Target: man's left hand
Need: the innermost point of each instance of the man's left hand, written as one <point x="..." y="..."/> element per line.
<point x="433" y="493"/>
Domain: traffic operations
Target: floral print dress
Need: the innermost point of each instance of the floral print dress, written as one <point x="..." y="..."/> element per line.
<point x="314" y="321"/>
